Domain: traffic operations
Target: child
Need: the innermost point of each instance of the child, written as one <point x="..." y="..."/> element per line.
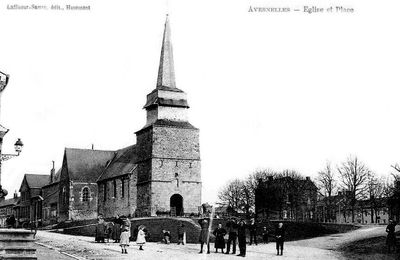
<point x="125" y="234"/>
<point x="141" y="238"/>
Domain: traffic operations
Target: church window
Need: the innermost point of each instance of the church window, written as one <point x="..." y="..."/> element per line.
<point x="122" y="188"/>
<point x="190" y="165"/>
<point x="85" y="194"/>
<point x="115" y="188"/>
<point x="105" y="191"/>
<point x="176" y="164"/>
<point x="64" y="195"/>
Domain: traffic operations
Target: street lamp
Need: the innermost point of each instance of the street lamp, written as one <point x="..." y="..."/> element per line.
<point x="3" y="131"/>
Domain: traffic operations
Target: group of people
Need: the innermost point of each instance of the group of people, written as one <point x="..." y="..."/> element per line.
<point x="10" y="221"/>
<point x="237" y="230"/>
<point x="120" y="231"/>
<point x="181" y="235"/>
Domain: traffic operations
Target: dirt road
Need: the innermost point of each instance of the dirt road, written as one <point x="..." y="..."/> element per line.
<point x="308" y="249"/>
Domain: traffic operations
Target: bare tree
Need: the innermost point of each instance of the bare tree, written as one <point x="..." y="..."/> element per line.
<point x="354" y="177"/>
<point x="376" y="191"/>
<point x="232" y="195"/>
<point x="327" y="183"/>
<point x="396" y="175"/>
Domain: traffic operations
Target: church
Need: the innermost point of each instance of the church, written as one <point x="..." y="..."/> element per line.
<point x="161" y="173"/>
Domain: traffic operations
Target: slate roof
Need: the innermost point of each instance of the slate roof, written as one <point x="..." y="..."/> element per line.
<point x="158" y="101"/>
<point x="56" y="180"/>
<point x="9" y="202"/>
<point x="85" y="164"/>
<point x="36" y="180"/>
<point x="163" y="122"/>
<point x="122" y="163"/>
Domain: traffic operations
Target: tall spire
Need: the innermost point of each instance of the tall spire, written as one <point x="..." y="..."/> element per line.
<point x="166" y="73"/>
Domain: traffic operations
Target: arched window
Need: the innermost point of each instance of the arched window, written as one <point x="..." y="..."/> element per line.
<point x="115" y="188"/>
<point x="85" y="194"/>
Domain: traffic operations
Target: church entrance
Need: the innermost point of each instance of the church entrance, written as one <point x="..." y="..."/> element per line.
<point x="176" y="204"/>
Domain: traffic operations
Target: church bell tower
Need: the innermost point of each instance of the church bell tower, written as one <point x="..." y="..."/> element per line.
<point x="168" y="163"/>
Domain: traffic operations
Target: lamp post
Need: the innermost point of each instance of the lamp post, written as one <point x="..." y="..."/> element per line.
<point x="3" y="131"/>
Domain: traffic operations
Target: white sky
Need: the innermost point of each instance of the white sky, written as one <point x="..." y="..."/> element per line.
<point x="266" y="90"/>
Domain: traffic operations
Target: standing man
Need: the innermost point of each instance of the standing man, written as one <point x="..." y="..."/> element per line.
<point x="204" y="224"/>
<point x="232" y="235"/>
<point x="242" y="238"/>
<point x="391" y="236"/>
<point x="181" y="233"/>
<point x="280" y="238"/>
<point x="253" y="231"/>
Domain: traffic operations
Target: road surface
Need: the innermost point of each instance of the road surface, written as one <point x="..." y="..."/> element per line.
<point x="309" y="249"/>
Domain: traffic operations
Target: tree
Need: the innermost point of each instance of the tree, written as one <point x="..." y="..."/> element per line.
<point x="327" y="183"/>
<point x="396" y="175"/>
<point x="232" y="195"/>
<point x="376" y="191"/>
<point x="354" y="177"/>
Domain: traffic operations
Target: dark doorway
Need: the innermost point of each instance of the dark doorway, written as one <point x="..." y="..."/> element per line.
<point x="176" y="204"/>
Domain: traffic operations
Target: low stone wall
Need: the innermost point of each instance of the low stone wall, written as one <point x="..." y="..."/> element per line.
<point x="155" y="225"/>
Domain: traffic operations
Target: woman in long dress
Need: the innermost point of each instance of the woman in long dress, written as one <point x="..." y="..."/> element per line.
<point x="219" y="234"/>
<point x="116" y="229"/>
<point x="141" y="238"/>
<point x="100" y="231"/>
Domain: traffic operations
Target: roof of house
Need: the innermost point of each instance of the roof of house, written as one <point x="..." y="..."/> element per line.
<point x="86" y="164"/>
<point x="9" y="202"/>
<point x="123" y="163"/>
<point x="36" y="180"/>
<point x="56" y="179"/>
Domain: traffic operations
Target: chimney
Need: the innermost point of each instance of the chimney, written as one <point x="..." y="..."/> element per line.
<point x="308" y="178"/>
<point x="52" y="172"/>
<point x="92" y="146"/>
<point x="15" y="194"/>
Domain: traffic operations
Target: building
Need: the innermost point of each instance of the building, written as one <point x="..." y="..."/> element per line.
<point x="161" y="173"/>
<point x="51" y="193"/>
<point x="337" y="209"/>
<point x="7" y="209"/>
<point x="77" y="188"/>
<point x="117" y="185"/>
<point x="286" y="198"/>
<point x="29" y="207"/>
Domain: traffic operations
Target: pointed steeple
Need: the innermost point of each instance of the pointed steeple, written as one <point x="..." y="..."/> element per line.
<point x="166" y="72"/>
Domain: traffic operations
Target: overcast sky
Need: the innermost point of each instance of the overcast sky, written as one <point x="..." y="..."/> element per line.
<point x="266" y="90"/>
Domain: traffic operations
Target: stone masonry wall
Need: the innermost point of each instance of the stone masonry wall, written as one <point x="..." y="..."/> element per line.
<point x="80" y="209"/>
<point x="121" y="205"/>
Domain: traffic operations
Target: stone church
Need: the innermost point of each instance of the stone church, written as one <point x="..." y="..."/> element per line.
<point x="161" y="173"/>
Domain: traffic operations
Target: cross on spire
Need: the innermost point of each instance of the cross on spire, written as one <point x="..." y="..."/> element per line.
<point x="166" y="72"/>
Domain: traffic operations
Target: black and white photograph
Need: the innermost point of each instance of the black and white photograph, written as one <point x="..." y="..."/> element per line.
<point x="214" y="129"/>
